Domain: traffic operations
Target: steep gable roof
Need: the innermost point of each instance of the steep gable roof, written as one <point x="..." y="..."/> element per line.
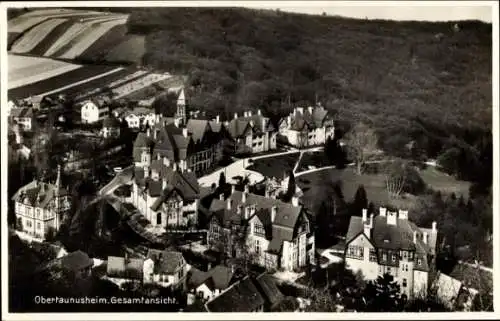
<point x="219" y="277"/>
<point x="393" y="237"/>
<point x="243" y="296"/>
<point x="266" y="284"/>
<point x="198" y="128"/>
<point x="38" y="194"/>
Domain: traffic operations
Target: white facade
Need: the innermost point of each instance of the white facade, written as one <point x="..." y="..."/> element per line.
<point x="361" y="255"/>
<point x="37" y="221"/>
<point x="309" y="134"/>
<point x="25" y="123"/>
<point x="136" y="120"/>
<point x="173" y="213"/>
<point x="91" y="113"/>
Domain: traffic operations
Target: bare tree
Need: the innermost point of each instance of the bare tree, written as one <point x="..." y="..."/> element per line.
<point x="361" y="143"/>
<point x="395" y="174"/>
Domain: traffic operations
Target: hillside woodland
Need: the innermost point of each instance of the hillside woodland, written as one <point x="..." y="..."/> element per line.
<point x="424" y="87"/>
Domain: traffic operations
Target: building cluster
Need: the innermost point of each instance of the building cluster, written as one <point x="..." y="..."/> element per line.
<point x="170" y="153"/>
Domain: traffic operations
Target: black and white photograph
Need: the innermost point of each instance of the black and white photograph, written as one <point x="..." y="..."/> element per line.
<point x="269" y="158"/>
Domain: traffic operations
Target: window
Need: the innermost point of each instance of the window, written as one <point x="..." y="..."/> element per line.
<point x="373" y="255"/>
<point x="380" y="270"/>
<point x="389" y="270"/>
<point x="158" y="218"/>
<point x="259" y="230"/>
<point x="257" y="246"/>
<point x="355" y="252"/>
<point x="419" y="262"/>
<point x="394" y="258"/>
<point x="38" y="226"/>
<point x="404" y="283"/>
<point x="384" y="257"/>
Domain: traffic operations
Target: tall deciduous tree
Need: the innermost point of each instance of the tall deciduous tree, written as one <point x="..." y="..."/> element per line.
<point x="361" y="143"/>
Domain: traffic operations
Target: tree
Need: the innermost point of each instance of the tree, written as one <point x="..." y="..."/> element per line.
<point x="290" y="192"/>
<point x="50" y="234"/>
<point x="288" y="304"/>
<point x="222" y="180"/>
<point x="361" y="143"/>
<point x="360" y="201"/>
<point x="383" y="295"/>
<point x="321" y="300"/>
<point x="395" y="177"/>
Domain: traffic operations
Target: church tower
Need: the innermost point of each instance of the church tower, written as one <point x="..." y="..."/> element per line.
<point x="181" y="107"/>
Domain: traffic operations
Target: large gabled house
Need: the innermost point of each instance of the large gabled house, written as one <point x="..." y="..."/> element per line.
<point x="195" y="147"/>
<point x="277" y="234"/>
<point x="307" y="127"/>
<point x="95" y="109"/>
<point x="40" y="207"/>
<point x="390" y="243"/>
<point x="251" y="133"/>
<point x="166" y="195"/>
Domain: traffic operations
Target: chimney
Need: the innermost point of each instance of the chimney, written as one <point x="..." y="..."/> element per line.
<point x="247" y="189"/>
<point x="252" y="124"/>
<point x="310" y="109"/>
<point x="163" y="184"/>
<point x="244" y="197"/>
<point x="258" y="112"/>
<point x="238" y="209"/>
<point x="392" y="218"/>
<point x="233" y="189"/>
<point x="247" y="212"/>
<point x="288" y="120"/>
<point x="266" y="192"/>
<point x="174" y="167"/>
<point x="295" y="201"/>
<point x="158" y="156"/>
<point x="157" y="118"/>
<point x="434" y="227"/>
<point x="252" y="209"/>
<point x="274" y="210"/>
<point x="263" y="124"/>
<point x="217" y="119"/>
<point x="176" y="122"/>
<point x="365" y="215"/>
<point x="229" y="203"/>
<point x="235" y="115"/>
<point x="185" y="132"/>
<point x="148" y="132"/>
<point x="371" y="220"/>
<point x="166" y="161"/>
<point x="425" y="237"/>
<point x="415" y="237"/>
<point x="221" y="196"/>
<point x="383" y="211"/>
<point x="403" y="215"/>
<point x="367" y="230"/>
<point x="249" y="113"/>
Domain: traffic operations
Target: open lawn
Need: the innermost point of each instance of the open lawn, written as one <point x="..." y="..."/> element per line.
<point x="277" y="167"/>
<point x="445" y="183"/>
<point x="314" y="186"/>
<point x="316" y="159"/>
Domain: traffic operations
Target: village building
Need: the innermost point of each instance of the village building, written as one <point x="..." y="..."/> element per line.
<point x="94" y="110"/>
<point x="137" y="117"/>
<point x="307" y="127"/>
<point x="163" y="268"/>
<point x="251" y="133"/>
<point x="390" y="243"/>
<point x="22" y="116"/>
<point x="207" y="285"/>
<point x="110" y="128"/>
<point x="251" y="294"/>
<point x="40" y="207"/>
<point x="77" y="263"/>
<point x="166" y="195"/>
<point x="120" y="270"/>
<point x="276" y="234"/>
<point x="193" y="147"/>
<point x="166" y="268"/>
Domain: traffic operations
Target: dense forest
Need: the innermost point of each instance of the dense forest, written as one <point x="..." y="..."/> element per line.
<point x="419" y="84"/>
